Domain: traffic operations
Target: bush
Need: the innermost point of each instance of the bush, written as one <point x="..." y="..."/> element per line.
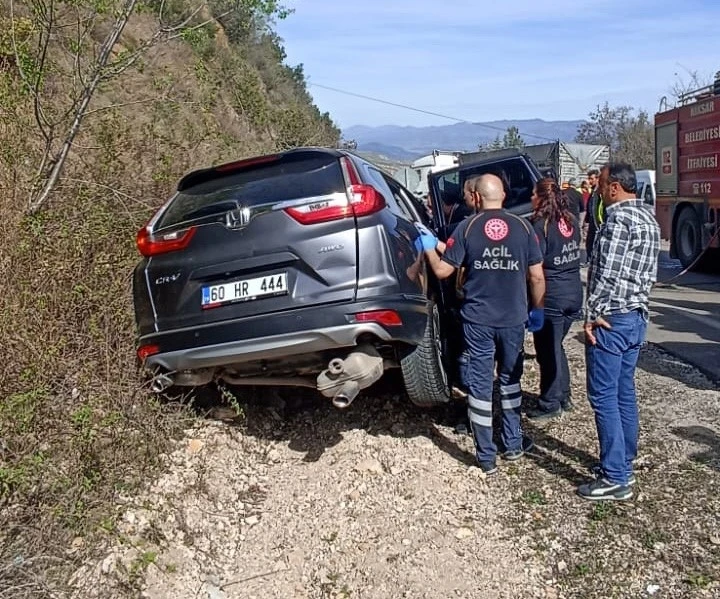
<point x="77" y="428"/>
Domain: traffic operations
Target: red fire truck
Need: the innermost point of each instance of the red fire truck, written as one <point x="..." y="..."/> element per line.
<point x="687" y="164"/>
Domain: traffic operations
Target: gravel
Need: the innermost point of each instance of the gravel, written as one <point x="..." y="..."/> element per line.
<point x="298" y="499"/>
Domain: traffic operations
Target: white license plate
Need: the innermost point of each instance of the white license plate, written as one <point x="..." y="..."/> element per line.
<point x="244" y="290"/>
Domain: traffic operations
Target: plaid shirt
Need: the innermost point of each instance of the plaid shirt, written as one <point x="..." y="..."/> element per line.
<point x="623" y="266"/>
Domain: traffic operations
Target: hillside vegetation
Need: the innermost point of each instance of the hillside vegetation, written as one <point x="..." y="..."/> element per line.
<point x="90" y="145"/>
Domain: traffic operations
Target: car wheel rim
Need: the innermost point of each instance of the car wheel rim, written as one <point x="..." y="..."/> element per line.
<point x="437" y="341"/>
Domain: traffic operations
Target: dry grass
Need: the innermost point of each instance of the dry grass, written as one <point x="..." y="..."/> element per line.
<point x="668" y="535"/>
<point x="77" y="428"/>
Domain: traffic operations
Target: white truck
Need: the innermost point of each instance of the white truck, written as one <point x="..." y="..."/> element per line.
<point x="415" y="176"/>
<point x="568" y="160"/>
<point x="646" y="186"/>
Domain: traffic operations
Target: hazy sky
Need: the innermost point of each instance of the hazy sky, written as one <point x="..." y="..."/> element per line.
<point x="495" y="59"/>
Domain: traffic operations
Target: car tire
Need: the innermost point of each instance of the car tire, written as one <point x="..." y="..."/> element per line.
<point x="424" y="374"/>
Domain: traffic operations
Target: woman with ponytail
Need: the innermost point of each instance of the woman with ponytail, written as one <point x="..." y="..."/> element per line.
<point x="558" y="232"/>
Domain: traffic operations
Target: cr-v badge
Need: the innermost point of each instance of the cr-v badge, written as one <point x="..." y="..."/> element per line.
<point x="167" y="279"/>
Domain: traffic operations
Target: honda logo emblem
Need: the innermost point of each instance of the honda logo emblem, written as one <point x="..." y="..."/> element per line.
<point x="238" y="218"/>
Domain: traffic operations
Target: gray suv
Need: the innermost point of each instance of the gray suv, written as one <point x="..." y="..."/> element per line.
<point x="301" y="268"/>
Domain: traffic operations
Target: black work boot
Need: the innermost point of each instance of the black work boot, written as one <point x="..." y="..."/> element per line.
<point x="538" y="414"/>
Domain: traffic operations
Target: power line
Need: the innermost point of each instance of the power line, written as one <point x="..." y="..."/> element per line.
<point x="430" y="112"/>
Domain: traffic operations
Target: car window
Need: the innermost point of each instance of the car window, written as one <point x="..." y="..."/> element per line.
<point x="648" y="195"/>
<point x="416" y="206"/>
<point x="404" y="203"/>
<point x="264" y="183"/>
<point x="377" y="180"/>
<point x="640" y="189"/>
<point x="449" y="187"/>
<point x="515" y="175"/>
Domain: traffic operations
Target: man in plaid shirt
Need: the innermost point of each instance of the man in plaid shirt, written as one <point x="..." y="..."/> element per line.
<point x="623" y="269"/>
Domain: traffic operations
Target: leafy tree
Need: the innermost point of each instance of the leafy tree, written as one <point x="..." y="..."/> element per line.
<point x="628" y="132"/>
<point x="495" y="144"/>
<point x="511" y="139"/>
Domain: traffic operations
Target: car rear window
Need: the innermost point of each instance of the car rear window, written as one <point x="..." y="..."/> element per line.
<point x="289" y="178"/>
<point x="514" y="173"/>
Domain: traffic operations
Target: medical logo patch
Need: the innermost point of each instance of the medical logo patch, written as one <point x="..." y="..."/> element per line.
<point x="496" y="229"/>
<point x="565" y="229"/>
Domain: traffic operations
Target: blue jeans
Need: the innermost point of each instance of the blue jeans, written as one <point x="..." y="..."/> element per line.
<point x="483" y="346"/>
<point x="611" y="391"/>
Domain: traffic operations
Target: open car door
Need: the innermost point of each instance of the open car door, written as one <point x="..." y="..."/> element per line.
<point x="519" y="175"/>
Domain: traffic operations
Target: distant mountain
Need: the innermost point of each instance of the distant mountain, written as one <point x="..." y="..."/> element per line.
<point x="393" y="152"/>
<point x="406" y="143"/>
<point x="384" y="161"/>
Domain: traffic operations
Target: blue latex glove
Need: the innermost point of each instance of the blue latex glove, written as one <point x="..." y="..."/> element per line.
<point x="536" y="320"/>
<point x="426" y="240"/>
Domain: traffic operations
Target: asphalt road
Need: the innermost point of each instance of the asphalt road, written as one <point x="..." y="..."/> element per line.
<point x="685" y="316"/>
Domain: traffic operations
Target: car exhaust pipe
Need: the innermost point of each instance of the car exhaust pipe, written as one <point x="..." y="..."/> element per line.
<point x="160" y="383"/>
<point x="343" y="378"/>
<point x="345" y="396"/>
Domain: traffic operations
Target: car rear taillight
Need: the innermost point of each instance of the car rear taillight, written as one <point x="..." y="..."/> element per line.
<point x="349" y="171"/>
<point x="364" y="200"/>
<point x="388" y="318"/>
<point x="323" y="211"/>
<point x="361" y="201"/>
<point x="150" y="244"/>
<point x="145" y="351"/>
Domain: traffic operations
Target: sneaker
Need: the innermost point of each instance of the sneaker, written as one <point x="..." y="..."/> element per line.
<point x="488" y="467"/>
<point x="516" y="454"/>
<point x="601" y="489"/>
<point x="538" y="414"/>
<point x="598" y="473"/>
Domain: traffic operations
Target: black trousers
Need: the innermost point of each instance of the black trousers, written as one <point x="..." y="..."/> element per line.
<point x="554" y="369"/>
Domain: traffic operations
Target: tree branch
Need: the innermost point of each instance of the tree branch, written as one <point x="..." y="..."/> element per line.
<point x="101" y="69"/>
<point x="34" y="86"/>
<point x="107" y="46"/>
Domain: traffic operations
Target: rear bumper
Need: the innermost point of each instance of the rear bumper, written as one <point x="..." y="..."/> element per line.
<point x="291" y="333"/>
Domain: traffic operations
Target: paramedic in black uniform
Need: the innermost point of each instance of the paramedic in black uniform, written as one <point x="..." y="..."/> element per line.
<point x="500" y="255"/>
<point x="558" y="232"/>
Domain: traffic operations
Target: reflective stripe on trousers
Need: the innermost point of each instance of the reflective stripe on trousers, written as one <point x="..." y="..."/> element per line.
<point x="485" y="345"/>
<point x="480" y="411"/>
<point x="511" y="397"/>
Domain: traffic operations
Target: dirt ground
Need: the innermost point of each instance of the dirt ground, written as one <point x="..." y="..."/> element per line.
<point x="298" y="499"/>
